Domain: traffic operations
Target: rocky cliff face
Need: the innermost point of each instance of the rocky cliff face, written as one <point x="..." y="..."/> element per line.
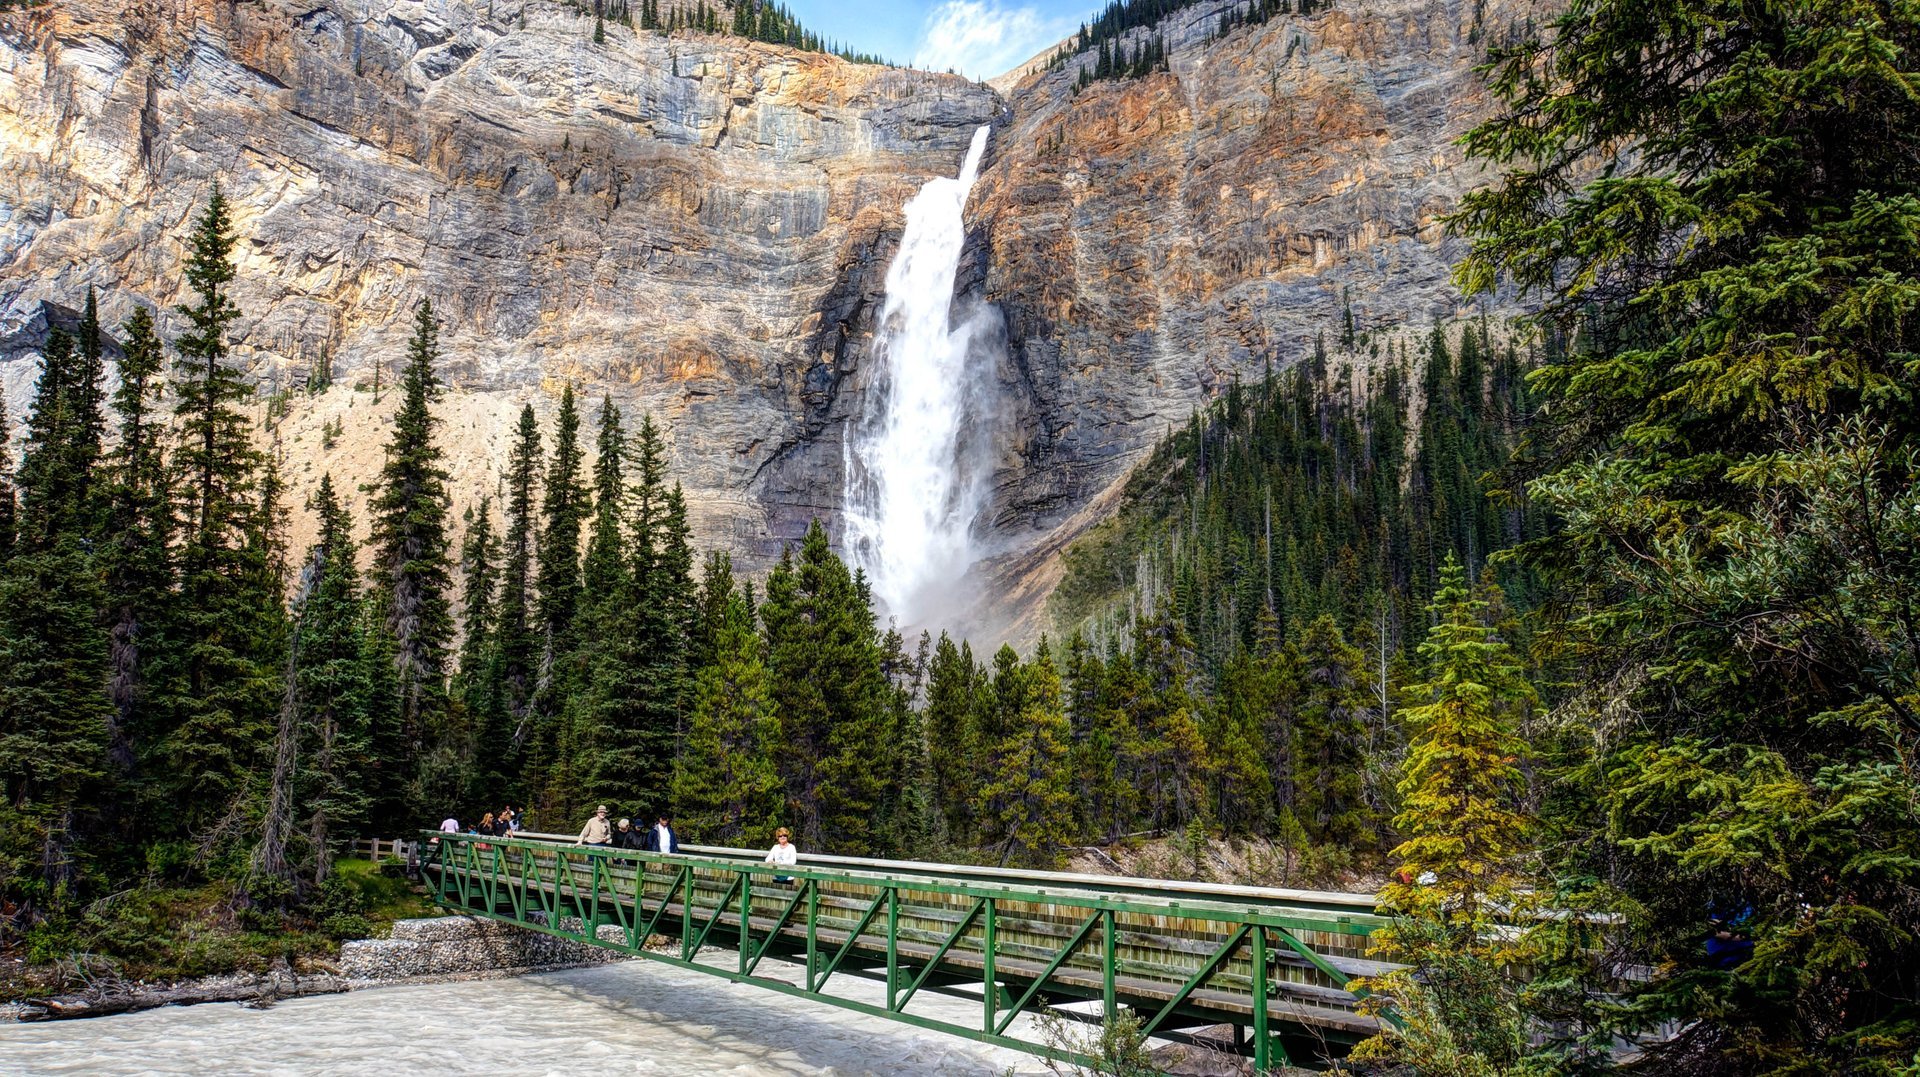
<point x="700" y="225"/>
<point x="1151" y="239"/>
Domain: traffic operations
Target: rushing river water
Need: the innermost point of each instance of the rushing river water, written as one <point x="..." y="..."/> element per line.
<point x="635" y="1017"/>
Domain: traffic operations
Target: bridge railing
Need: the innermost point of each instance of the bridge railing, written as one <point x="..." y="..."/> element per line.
<point x="1013" y="941"/>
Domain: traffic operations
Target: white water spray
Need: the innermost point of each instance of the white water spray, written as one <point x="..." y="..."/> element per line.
<point x="918" y="461"/>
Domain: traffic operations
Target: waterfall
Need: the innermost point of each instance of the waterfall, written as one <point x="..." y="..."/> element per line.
<point x="918" y="460"/>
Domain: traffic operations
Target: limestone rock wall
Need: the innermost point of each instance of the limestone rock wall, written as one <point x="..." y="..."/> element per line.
<point x="695" y="224"/>
<point x="700" y="225"/>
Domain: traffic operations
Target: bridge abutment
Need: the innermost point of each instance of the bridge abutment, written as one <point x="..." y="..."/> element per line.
<point x="468" y="945"/>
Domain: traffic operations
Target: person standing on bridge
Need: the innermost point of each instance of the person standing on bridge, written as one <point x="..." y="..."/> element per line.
<point x="783" y="854"/>
<point x="626" y="837"/>
<point x="597" y="831"/>
<point x="661" y="838"/>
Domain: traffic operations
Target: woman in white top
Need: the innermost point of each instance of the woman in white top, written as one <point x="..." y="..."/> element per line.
<point x="783" y="854"/>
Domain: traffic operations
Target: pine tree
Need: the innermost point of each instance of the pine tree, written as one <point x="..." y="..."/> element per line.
<point x="224" y="670"/>
<point x="725" y="785"/>
<point x="952" y="681"/>
<point x="516" y="639"/>
<point x="479" y="684"/>
<point x="1728" y="417"/>
<point x="641" y="679"/>
<point x="9" y="500"/>
<point x="1464" y="831"/>
<point x="314" y="787"/>
<point x="1027" y="789"/>
<point x="608" y="663"/>
<point x="1329" y="730"/>
<point x="564" y="508"/>
<point x="54" y="715"/>
<point x="410" y="544"/>
<point x="334" y="687"/>
<point x="1461" y="782"/>
<point x="135" y="559"/>
<point x="830" y="694"/>
<point x="49" y="492"/>
<point x="717" y="587"/>
<point x="1168" y="758"/>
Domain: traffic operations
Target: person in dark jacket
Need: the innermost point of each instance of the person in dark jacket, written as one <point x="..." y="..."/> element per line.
<point x="661" y="838"/>
<point x="626" y="837"/>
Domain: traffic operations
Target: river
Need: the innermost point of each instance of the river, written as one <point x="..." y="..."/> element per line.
<point x="635" y="1017"/>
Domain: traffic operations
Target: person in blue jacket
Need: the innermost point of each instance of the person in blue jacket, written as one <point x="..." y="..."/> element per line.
<point x="661" y="838"/>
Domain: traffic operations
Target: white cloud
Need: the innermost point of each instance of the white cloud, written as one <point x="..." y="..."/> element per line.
<point x="981" y="38"/>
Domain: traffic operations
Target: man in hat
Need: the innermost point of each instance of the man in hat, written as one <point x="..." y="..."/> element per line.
<point x="661" y="839"/>
<point x="626" y="837"/>
<point x="597" y="831"/>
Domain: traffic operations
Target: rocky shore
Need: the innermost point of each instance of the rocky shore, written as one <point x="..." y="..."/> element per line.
<point x="433" y="950"/>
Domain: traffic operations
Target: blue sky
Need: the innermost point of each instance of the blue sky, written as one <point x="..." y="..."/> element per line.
<point x="980" y="38"/>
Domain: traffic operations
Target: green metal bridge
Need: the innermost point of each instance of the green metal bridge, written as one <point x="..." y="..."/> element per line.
<point x="1273" y="964"/>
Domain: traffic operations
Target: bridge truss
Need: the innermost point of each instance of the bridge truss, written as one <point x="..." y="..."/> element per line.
<point x="1272" y="964"/>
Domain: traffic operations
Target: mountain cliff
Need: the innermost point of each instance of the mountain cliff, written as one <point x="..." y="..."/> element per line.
<point x="701" y="225"/>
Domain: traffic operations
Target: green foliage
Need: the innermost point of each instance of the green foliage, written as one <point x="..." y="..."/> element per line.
<point x="136" y="563"/>
<point x="1712" y="210"/>
<point x="1028" y="800"/>
<point x="831" y="696"/>
<point x="1464" y="832"/>
<point x="1461" y="784"/>
<point x="726" y="784"/>
<point x="563" y="509"/>
<point x="1298" y="496"/>
<point x="1329" y="731"/>
<point x="515" y="641"/>
<point x="479" y="685"/>
<point x="221" y="674"/>
<point x="334" y="689"/>
<point x="410" y="546"/>
<point x="1115" y="1049"/>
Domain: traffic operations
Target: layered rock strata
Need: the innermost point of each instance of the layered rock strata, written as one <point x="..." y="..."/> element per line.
<point x="700" y="225"/>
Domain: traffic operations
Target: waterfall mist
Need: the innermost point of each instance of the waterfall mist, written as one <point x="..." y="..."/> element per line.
<point x="918" y="461"/>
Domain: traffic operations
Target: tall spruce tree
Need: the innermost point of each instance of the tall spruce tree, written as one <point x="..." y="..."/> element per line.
<point x="9" y="498"/>
<point x="333" y="686"/>
<point x="831" y="695"/>
<point x="1027" y="788"/>
<point x="564" y="507"/>
<point x="952" y="681"/>
<point x="136" y="562"/>
<point x="1328" y="733"/>
<point x="314" y="785"/>
<point x="725" y="784"/>
<point x="54" y="713"/>
<point x="410" y="551"/>
<point x="1464" y="828"/>
<point x="610" y="666"/>
<point x="1730" y="450"/>
<point x="224" y="672"/>
<point x="642" y="685"/>
<point x="1461" y="785"/>
<point x="479" y="684"/>
<point x="515" y="639"/>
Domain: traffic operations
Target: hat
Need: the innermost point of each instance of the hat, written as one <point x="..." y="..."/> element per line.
<point x="601" y="808"/>
<point x="625" y="823"/>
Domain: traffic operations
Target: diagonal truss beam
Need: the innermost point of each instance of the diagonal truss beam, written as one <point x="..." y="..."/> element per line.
<point x="1200" y="976"/>
<point x="866" y="919"/>
<point x="1046" y="974"/>
<point x="939" y="955"/>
